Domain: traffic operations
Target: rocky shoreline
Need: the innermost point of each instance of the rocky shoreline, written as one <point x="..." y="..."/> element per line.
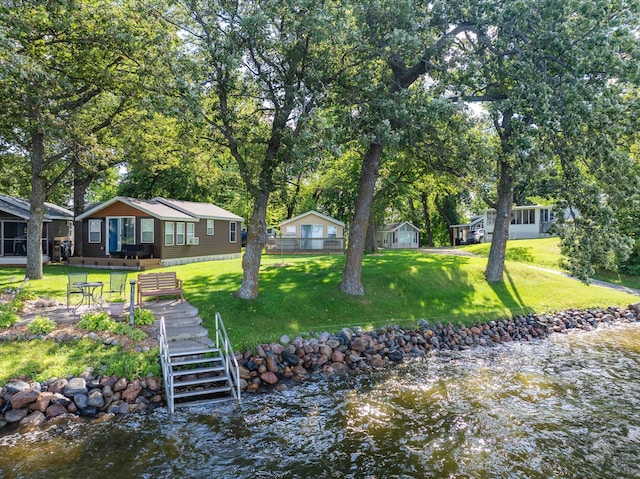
<point x="355" y="349"/>
<point x="271" y="365"/>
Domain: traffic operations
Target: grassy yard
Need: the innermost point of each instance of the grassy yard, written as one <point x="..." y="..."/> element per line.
<point x="300" y="294"/>
<point x="545" y="253"/>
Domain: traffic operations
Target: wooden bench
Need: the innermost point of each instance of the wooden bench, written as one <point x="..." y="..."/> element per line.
<point x="159" y="284"/>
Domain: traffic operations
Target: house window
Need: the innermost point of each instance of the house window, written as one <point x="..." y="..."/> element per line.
<point x="179" y="233"/>
<point x="191" y="232"/>
<point x="232" y="231"/>
<point x="95" y="231"/>
<point x="332" y="231"/>
<point x="169" y="233"/>
<point x="491" y="217"/>
<point x="290" y="231"/>
<point x="210" y="225"/>
<point x="146" y="230"/>
<point x="523" y="217"/>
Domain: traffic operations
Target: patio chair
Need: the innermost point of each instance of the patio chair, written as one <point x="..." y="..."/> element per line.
<point x="75" y="278"/>
<point x="117" y="283"/>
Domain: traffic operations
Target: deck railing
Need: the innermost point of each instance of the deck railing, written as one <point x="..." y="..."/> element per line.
<point x="292" y="245"/>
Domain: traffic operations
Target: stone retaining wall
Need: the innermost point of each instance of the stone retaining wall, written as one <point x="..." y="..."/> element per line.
<point x="270" y="364"/>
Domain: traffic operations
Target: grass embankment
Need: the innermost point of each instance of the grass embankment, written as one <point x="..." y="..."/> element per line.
<point x="545" y="253"/>
<point x="301" y="294"/>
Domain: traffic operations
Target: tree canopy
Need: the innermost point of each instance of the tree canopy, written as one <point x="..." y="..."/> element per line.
<point x="360" y="110"/>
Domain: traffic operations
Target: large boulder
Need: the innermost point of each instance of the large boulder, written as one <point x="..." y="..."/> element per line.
<point x="23" y="398"/>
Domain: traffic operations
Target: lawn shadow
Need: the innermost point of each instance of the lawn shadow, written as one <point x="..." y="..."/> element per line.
<point x="507" y="293"/>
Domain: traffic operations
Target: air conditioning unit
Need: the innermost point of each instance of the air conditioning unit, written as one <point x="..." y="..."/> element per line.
<point x="193" y="240"/>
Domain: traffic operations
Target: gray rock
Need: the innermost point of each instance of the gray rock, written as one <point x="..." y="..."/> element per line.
<point x="347" y="333"/>
<point x="284" y="339"/>
<point x="34" y="418"/>
<point x="75" y="386"/>
<point x="81" y="400"/>
<point x="15" y="415"/>
<point x="95" y="399"/>
<point x="289" y="358"/>
<point x="60" y="399"/>
<point x="17" y="386"/>
<point x="396" y="355"/>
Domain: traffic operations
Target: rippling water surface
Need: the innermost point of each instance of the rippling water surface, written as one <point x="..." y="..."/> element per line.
<point x="568" y="406"/>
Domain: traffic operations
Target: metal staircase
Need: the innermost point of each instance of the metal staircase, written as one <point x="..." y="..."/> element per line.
<point x="199" y="374"/>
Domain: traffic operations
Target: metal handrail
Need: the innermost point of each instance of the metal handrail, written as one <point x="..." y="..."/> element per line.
<point x="165" y="360"/>
<point x="231" y="363"/>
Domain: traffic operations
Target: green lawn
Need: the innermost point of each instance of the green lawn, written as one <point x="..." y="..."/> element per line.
<point x="300" y="294"/>
<point x="545" y="253"/>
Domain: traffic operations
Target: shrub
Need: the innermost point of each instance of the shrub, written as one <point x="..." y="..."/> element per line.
<point x="133" y="365"/>
<point x="126" y="330"/>
<point x="41" y="325"/>
<point x="8" y="315"/>
<point x="100" y="321"/>
<point x="142" y="317"/>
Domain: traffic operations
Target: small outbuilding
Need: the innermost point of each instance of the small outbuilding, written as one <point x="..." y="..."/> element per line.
<point x="139" y="234"/>
<point x="402" y="235"/>
<point x="57" y="231"/>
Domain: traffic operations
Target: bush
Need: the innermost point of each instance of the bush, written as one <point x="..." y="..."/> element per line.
<point x="142" y="317"/>
<point x="97" y="322"/>
<point x="8" y="315"/>
<point x="102" y="322"/>
<point x="123" y="329"/>
<point x="41" y="325"/>
<point x="133" y="365"/>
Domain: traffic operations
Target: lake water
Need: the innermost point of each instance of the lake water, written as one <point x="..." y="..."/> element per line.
<point x="564" y="407"/>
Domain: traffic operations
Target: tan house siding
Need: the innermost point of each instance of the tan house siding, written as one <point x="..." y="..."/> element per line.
<point x="311" y="219"/>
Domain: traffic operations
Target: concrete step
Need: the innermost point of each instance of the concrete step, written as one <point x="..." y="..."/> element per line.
<point x="183" y="346"/>
<point x="183" y="321"/>
<point x="188" y="332"/>
<point x="170" y="309"/>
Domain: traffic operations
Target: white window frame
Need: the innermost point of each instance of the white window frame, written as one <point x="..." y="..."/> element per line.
<point x="290" y="230"/>
<point x="191" y="231"/>
<point x="211" y="229"/>
<point x="95" y="226"/>
<point x="169" y="232"/>
<point x="332" y="232"/>
<point x="180" y="233"/>
<point x="233" y="232"/>
<point x="144" y="228"/>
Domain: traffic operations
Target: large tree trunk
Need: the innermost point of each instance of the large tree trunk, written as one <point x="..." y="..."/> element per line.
<point x="497" y="253"/>
<point x="427" y="219"/>
<point x="351" y="276"/>
<point x="38" y="197"/>
<point x="256" y="239"/>
<point x="370" y="243"/>
<point x="80" y="185"/>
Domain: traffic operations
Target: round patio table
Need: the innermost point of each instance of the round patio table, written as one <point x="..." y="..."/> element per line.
<point x="89" y="289"/>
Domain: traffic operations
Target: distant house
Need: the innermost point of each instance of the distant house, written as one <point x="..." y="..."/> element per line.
<point x="527" y="222"/>
<point x="15" y="213"/>
<point x="402" y="235"/>
<point x="468" y="233"/>
<point x="140" y="234"/>
<point x="310" y="232"/>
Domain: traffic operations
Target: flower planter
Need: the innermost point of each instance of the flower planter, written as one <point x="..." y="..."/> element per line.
<point x="115" y="309"/>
